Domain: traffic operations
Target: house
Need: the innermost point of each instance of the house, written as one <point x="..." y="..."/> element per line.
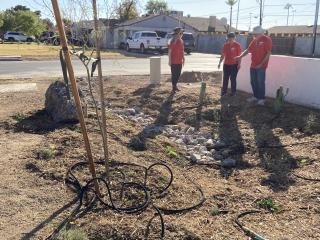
<point x="291" y="31"/>
<point x="163" y="24"/>
<point x="84" y="30"/>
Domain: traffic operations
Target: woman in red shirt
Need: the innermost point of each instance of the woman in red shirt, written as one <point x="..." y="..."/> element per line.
<point x="176" y="57"/>
<point x="230" y="50"/>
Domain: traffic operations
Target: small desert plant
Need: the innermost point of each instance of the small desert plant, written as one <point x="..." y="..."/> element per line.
<point x="280" y="99"/>
<point x="303" y="161"/>
<point x="171" y="152"/>
<point x="214" y="211"/>
<point x="19" y="117"/>
<point x="73" y="234"/>
<point x="47" y="152"/>
<point x="268" y="204"/>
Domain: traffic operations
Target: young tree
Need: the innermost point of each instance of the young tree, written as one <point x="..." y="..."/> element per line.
<point x="156" y="6"/>
<point x="231" y="3"/>
<point x="127" y="10"/>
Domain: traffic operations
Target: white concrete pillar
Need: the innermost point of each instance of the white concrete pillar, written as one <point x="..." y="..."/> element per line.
<point x="155" y="70"/>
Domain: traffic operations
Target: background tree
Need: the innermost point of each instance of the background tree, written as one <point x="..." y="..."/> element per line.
<point x="127" y="10"/>
<point x="1" y="19"/>
<point x="231" y="3"/>
<point x="20" y="8"/>
<point x="49" y="25"/>
<point x="156" y="6"/>
<point x="21" y="19"/>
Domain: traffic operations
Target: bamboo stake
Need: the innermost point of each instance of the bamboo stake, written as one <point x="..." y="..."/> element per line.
<point x="64" y="45"/>
<point x="103" y="107"/>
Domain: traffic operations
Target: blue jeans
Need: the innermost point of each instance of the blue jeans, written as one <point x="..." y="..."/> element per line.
<point x="258" y="82"/>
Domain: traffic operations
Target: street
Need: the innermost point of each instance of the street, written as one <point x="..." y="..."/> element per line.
<point x="126" y="66"/>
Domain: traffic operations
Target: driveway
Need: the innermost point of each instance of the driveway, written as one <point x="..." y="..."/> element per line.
<point x="127" y="66"/>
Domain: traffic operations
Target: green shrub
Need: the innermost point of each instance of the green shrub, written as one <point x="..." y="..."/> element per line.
<point x="214" y="211"/>
<point x="47" y="153"/>
<point x="19" y="117"/>
<point x="73" y="234"/>
<point x="171" y="152"/>
<point x="268" y="204"/>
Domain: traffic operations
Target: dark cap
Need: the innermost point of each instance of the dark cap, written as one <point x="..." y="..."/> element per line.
<point x="231" y="35"/>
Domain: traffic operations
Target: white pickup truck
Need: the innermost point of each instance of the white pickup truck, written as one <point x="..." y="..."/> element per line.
<point x="146" y="40"/>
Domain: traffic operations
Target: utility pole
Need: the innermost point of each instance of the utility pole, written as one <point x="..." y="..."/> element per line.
<point x="293" y="13"/>
<point x="315" y="28"/>
<point x="288" y="6"/>
<point x="229" y="30"/>
<point x="261" y="9"/>
<point x="238" y="14"/>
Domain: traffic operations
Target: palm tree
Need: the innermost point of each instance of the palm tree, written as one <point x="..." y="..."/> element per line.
<point x="231" y="3"/>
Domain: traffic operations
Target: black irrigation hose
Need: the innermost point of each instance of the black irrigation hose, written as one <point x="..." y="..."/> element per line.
<point x="108" y="202"/>
<point x="306" y="178"/>
<point x="247" y="230"/>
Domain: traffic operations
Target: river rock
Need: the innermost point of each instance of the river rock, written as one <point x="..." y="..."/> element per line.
<point x="130" y="111"/>
<point x="195" y="157"/>
<point x="190" y="130"/>
<point x="201" y="140"/>
<point x="229" y="163"/>
<point x="220" y="144"/>
<point x="210" y="144"/>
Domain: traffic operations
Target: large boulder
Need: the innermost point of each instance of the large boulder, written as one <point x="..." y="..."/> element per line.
<point x="57" y="104"/>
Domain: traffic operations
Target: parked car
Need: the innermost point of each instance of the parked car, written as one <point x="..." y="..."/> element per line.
<point x="144" y="41"/>
<point x="44" y="37"/>
<point x="18" y="36"/>
<point x="55" y="40"/>
<point x="189" y="42"/>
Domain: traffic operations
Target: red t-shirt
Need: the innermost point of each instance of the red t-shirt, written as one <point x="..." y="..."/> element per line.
<point x="258" y="48"/>
<point x="177" y="51"/>
<point x="230" y="51"/>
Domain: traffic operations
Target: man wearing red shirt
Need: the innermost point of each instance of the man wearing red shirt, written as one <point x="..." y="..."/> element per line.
<point x="230" y="50"/>
<point x="176" y="56"/>
<point x="260" y="49"/>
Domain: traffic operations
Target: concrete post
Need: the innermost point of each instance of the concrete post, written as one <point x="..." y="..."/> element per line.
<point x="155" y="70"/>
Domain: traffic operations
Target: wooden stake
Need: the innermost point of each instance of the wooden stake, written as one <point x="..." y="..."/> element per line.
<point x="64" y="45"/>
<point x="103" y="107"/>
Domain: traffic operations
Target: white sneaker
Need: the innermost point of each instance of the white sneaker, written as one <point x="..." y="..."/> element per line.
<point x="252" y="99"/>
<point x="261" y="102"/>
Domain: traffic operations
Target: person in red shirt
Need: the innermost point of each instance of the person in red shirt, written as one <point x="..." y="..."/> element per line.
<point x="176" y="56"/>
<point x="230" y="50"/>
<point x="260" y="49"/>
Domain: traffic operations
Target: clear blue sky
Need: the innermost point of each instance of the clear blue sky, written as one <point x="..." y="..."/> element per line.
<point x="274" y="13"/>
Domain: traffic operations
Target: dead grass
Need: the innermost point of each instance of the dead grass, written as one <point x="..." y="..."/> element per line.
<point x="40" y="51"/>
<point x="267" y="150"/>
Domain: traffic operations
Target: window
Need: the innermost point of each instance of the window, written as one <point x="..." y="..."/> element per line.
<point x="149" y="34"/>
<point x="187" y="37"/>
<point x="136" y="35"/>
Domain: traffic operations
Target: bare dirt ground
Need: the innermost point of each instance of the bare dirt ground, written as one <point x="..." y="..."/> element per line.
<point x="268" y="150"/>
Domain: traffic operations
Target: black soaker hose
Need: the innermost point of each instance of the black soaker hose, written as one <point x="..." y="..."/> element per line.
<point x="108" y="200"/>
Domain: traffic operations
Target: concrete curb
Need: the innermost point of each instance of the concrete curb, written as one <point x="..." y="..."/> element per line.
<point x="10" y="58"/>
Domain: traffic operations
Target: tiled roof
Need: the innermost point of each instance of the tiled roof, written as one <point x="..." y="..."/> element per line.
<point x="198" y="23"/>
<point x="302" y="29"/>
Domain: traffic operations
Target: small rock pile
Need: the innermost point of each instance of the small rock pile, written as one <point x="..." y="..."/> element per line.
<point x="201" y="147"/>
